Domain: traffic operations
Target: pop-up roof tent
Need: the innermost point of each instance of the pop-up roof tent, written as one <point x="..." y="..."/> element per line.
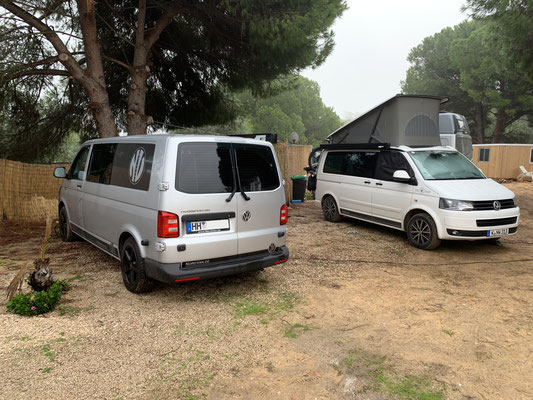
<point x="409" y="120"/>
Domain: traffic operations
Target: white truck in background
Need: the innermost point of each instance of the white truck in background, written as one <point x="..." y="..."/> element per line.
<point x="454" y="133"/>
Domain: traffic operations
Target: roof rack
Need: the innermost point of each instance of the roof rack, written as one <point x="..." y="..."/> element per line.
<point x="355" y="146"/>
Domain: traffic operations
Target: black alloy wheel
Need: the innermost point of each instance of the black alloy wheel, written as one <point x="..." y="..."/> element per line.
<point x="422" y="232"/>
<point x="330" y="209"/>
<point x="132" y="266"/>
<point x="64" y="226"/>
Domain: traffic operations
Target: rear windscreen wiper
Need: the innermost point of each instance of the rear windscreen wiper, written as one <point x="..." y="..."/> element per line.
<point x="239" y="181"/>
<point x="234" y="179"/>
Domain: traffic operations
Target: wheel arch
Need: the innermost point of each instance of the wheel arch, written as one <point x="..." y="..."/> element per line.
<point x="424" y="210"/>
<point x="130" y="232"/>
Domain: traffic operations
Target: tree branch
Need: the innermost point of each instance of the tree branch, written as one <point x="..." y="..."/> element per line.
<point x="63" y="53"/>
<point x="164" y="21"/>
<point x="116" y="61"/>
<point x="38" y="72"/>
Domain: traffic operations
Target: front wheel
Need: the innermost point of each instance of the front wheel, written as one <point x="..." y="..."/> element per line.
<point x="132" y="267"/>
<point x="330" y="210"/>
<point x="422" y="232"/>
<point x="64" y="226"/>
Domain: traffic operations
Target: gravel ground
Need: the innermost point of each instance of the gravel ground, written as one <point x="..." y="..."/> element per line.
<point x="354" y="314"/>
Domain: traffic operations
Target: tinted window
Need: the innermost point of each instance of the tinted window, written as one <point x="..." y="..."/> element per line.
<point x="360" y="164"/>
<point x="204" y="168"/>
<point x="78" y="165"/>
<point x="101" y="164"/>
<point x="132" y="165"/>
<point x="257" y="168"/>
<point x="390" y="161"/>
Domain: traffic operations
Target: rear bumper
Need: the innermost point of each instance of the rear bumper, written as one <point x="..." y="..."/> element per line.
<point x="170" y="273"/>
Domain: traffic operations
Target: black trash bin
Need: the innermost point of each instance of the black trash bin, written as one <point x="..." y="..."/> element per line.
<point x="298" y="187"/>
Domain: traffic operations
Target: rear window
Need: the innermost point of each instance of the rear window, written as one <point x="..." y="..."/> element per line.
<point x="209" y="168"/>
<point x="204" y="168"/>
<point x="257" y="167"/>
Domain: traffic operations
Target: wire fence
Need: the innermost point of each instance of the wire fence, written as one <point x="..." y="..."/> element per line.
<point x="29" y="192"/>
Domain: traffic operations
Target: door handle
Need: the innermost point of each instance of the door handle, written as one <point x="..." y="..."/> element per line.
<point x="367" y="182"/>
<point x="379" y="183"/>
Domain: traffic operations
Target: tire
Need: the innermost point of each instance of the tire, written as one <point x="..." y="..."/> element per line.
<point x="132" y="267"/>
<point x="330" y="210"/>
<point x="64" y="226"/>
<point x="422" y="232"/>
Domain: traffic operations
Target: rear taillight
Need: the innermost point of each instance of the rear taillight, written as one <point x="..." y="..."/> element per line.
<point x="167" y="225"/>
<point x="283" y="215"/>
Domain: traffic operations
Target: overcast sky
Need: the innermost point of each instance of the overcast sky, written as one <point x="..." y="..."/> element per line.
<point x="372" y="41"/>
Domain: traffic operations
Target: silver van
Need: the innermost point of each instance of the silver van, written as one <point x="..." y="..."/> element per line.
<point x="177" y="208"/>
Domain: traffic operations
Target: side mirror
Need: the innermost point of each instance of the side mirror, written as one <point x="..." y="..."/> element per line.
<point x="60" y="172"/>
<point x="401" y="176"/>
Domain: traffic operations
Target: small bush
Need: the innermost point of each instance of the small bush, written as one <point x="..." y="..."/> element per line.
<point x="36" y="303"/>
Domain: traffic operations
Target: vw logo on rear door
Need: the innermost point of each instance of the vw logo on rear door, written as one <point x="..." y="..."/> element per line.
<point x="246" y="215"/>
<point x="137" y="165"/>
<point x="497" y="205"/>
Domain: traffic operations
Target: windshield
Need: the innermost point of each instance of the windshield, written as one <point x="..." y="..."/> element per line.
<point x="442" y="165"/>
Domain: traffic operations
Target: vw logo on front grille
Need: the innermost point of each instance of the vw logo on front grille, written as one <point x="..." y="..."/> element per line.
<point x="246" y="215"/>
<point x="497" y="205"/>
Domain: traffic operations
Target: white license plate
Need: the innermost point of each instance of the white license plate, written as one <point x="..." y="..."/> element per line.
<point x="207" y="226"/>
<point x="499" y="232"/>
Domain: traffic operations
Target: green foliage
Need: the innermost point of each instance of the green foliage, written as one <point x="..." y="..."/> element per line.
<point x="36" y="303"/>
<point x="292" y="331"/>
<point x="513" y="24"/>
<point x="296" y="107"/>
<point x="209" y="51"/>
<point x="472" y="65"/>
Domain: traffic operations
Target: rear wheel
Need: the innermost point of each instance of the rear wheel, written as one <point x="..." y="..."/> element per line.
<point x="64" y="226"/>
<point x="330" y="210"/>
<point x="422" y="232"/>
<point x="132" y="266"/>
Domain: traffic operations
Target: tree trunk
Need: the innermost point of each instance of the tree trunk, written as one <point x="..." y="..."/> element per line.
<point x="137" y="120"/>
<point x="501" y="116"/>
<point x="479" y="130"/>
<point x="96" y="86"/>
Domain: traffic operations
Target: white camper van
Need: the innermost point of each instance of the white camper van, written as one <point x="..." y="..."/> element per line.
<point x="177" y="208"/>
<point x="387" y="167"/>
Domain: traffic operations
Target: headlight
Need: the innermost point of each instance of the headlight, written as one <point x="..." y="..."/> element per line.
<point x="455" y="205"/>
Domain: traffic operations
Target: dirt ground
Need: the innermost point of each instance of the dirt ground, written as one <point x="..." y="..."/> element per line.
<point x="355" y="314"/>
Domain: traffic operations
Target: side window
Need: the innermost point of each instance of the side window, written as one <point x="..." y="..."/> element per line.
<point x="333" y="163"/>
<point x="132" y="165"/>
<point x="257" y="168"/>
<point x="204" y="168"/>
<point x="484" y="155"/>
<point x="531" y="156"/>
<point x="78" y="165"/>
<point x="361" y="164"/>
<point x="390" y="161"/>
<point x="356" y="163"/>
<point x="101" y="164"/>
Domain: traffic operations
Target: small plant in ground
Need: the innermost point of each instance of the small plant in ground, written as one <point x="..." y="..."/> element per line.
<point x="250" y="307"/>
<point x="292" y="331"/>
<point x="448" y="332"/>
<point x="36" y="303"/>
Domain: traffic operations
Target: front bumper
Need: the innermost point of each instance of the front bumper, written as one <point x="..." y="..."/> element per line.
<point x="475" y="225"/>
<point x="175" y="272"/>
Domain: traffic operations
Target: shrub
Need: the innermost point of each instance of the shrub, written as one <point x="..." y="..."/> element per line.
<point x="36" y="303"/>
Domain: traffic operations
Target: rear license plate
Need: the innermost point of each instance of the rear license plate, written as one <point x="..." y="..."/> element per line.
<point x="208" y="226"/>
<point x="498" y="232"/>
